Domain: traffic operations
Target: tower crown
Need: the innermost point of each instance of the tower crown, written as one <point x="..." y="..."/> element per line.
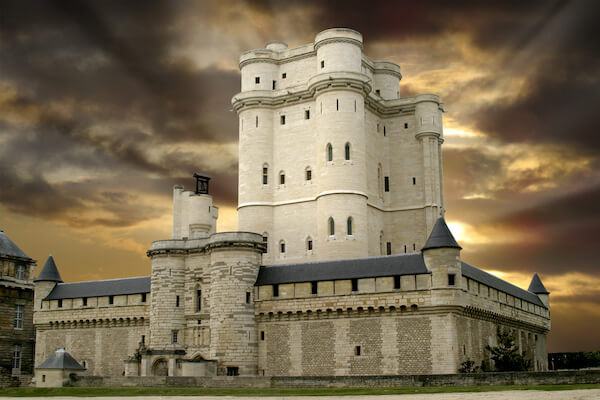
<point x="440" y="237"/>
<point x="536" y="286"/>
<point x="49" y="272"/>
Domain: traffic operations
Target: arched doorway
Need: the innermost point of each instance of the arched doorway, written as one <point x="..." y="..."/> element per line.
<point x="160" y="367"/>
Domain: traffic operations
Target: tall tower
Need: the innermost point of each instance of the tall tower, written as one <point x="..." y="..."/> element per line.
<point x="333" y="163"/>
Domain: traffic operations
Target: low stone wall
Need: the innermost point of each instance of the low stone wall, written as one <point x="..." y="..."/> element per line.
<point x="6" y="380"/>
<point x="487" y="379"/>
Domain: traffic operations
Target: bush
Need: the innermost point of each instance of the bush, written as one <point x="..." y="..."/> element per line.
<point x="506" y="355"/>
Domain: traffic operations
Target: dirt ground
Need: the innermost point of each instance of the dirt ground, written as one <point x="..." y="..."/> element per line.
<point x="589" y="394"/>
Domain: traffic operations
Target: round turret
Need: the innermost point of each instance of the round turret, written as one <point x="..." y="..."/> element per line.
<point x="339" y="50"/>
<point x="277" y="45"/>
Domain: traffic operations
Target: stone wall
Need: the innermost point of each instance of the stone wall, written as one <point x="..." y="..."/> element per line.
<point x="488" y="379"/>
<point x="346" y="344"/>
<point x="102" y="347"/>
<point x="11" y="336"/>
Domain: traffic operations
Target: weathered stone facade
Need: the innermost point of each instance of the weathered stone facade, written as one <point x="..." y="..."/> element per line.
<point x="16" y="311"/>
<point x="212" y="306"/>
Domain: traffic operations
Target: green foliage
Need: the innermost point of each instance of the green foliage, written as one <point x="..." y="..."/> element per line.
<point x="575" y="360"/>
<point x="137" y="356"/>
<point x="506" y="355"/>
<point x="468" y="367"/>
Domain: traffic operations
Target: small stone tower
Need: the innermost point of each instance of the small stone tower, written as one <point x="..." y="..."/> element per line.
<point x="45" y="282"/>
<point x="442" y="257"/>
<point x="536" y="286"/>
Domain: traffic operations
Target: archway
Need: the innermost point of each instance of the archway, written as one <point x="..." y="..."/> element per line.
<point x="160" y="367"/>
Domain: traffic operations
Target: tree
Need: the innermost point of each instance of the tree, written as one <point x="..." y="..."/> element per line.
<point x="506" y="355"/>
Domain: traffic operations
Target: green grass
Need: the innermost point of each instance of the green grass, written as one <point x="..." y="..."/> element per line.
<point x="197" y="391"/>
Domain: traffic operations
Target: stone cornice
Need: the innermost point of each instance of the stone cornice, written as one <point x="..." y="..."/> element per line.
<point x="479" y="313"/>
<point x="331" y="40"/>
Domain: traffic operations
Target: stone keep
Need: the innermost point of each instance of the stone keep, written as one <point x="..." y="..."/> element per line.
<point x="325" y="138"/>
<point x="344" y="264"/>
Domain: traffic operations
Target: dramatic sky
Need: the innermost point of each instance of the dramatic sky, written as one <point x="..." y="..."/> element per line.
<point x="104" y="105"/>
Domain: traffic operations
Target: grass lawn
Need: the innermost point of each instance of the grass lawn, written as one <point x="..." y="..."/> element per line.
<point x="197" y="391"/>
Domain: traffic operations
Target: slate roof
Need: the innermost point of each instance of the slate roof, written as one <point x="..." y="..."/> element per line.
<point x="60" y="360"/>
<point x="404" y="264"/>
<point x="108" y="287"/>
<point x="49" y="272"/>
<point x="492" y="281"/>
<point x="9" y="248"/>
<point x="441" y="237"/>
<point x="536" y="286"/>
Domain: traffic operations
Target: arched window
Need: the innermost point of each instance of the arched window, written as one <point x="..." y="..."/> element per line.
<point x="331" y="226"/>
<point x="329" y="152"/>
<point x="265" y="174"/>
<point x="349" y="226"/>
<point x="308" y="174"/>
<point x="281" y="246"/>
<point x="282" y="178"/>
<point x="347" y="151"/>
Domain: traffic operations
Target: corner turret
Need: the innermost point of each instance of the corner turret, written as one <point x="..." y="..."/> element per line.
<point x="442" y="257"/>
<point x="536" y="286"/>
<point x="45" y="282"/>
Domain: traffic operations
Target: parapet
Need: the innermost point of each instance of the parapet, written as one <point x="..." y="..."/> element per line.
<point x="337" y="35"/>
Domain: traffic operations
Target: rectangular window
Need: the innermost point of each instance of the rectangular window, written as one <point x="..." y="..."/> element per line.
<point x="20" y="272"/>
<point x="276" y="290"/>
<point x="176" y="301"/>
<point x="378" y="92"/>
<point x="282" y="120"/>
<point x="247" y="297"/>
<point x="355" y="285"/>
<point x="314" y="287"/>
<point x="144" y="297"/>
<point x="451" y="278"/>
<point x="143" y="339"/>
<point x="257" y="121"/>
<point x="262" y="335"/>
<point x="309" y="245"/>
<point x="386" y="183"/>
<point x="405" y="125"/>
<point x="16" y="356"/>
<point x="284" y="75"/>
<point x="282" y="179"/>
<point x="306" y="114"/>
<point x="414" y="180"/>
<point x="357" y="351"/>
<point x="384" y="131"/>
<point x="198" y="300"/>
<point x="266" y="242"/>
<point x="233" y="371"/>
<point x="388" y="246"/>
<point x="111" y="299"/>
<point x="308" y="175"/>
<point x="282" y="247"/>
<point x="274" y="84"/>
<point x="84" y="301"/>
<point x="257" y="80"/>
<point x="59" y="303"/>
<point x="404" y="248"/>
<point x="322" y="64"/>
<point x="397" y="282"/>
<point x="174" y="335"/>
<point x="19" y="316"/>
<point x="265" y="175"/>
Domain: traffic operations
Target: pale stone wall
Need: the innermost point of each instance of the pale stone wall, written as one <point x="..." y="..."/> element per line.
<point x="341" y="95"/>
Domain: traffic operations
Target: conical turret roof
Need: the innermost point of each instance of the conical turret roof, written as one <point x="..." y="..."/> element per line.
<point x="9" y="248"/>
<point x="49" y="272"/>
<point x="536" y="286"/>
<point x="60" y="360"/>
<point x="441" y="237"/>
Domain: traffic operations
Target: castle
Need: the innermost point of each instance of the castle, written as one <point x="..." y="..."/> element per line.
<point x="343" y="265"/>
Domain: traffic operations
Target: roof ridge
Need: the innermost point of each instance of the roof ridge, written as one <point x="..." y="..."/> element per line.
<point x="106" y="280"/>
<point x="343" y="259"/>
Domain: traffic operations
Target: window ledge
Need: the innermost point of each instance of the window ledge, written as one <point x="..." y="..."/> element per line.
<point x="348" y="162"/>
<point x="331" y="237"/>
<point x="350" y="237"/>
